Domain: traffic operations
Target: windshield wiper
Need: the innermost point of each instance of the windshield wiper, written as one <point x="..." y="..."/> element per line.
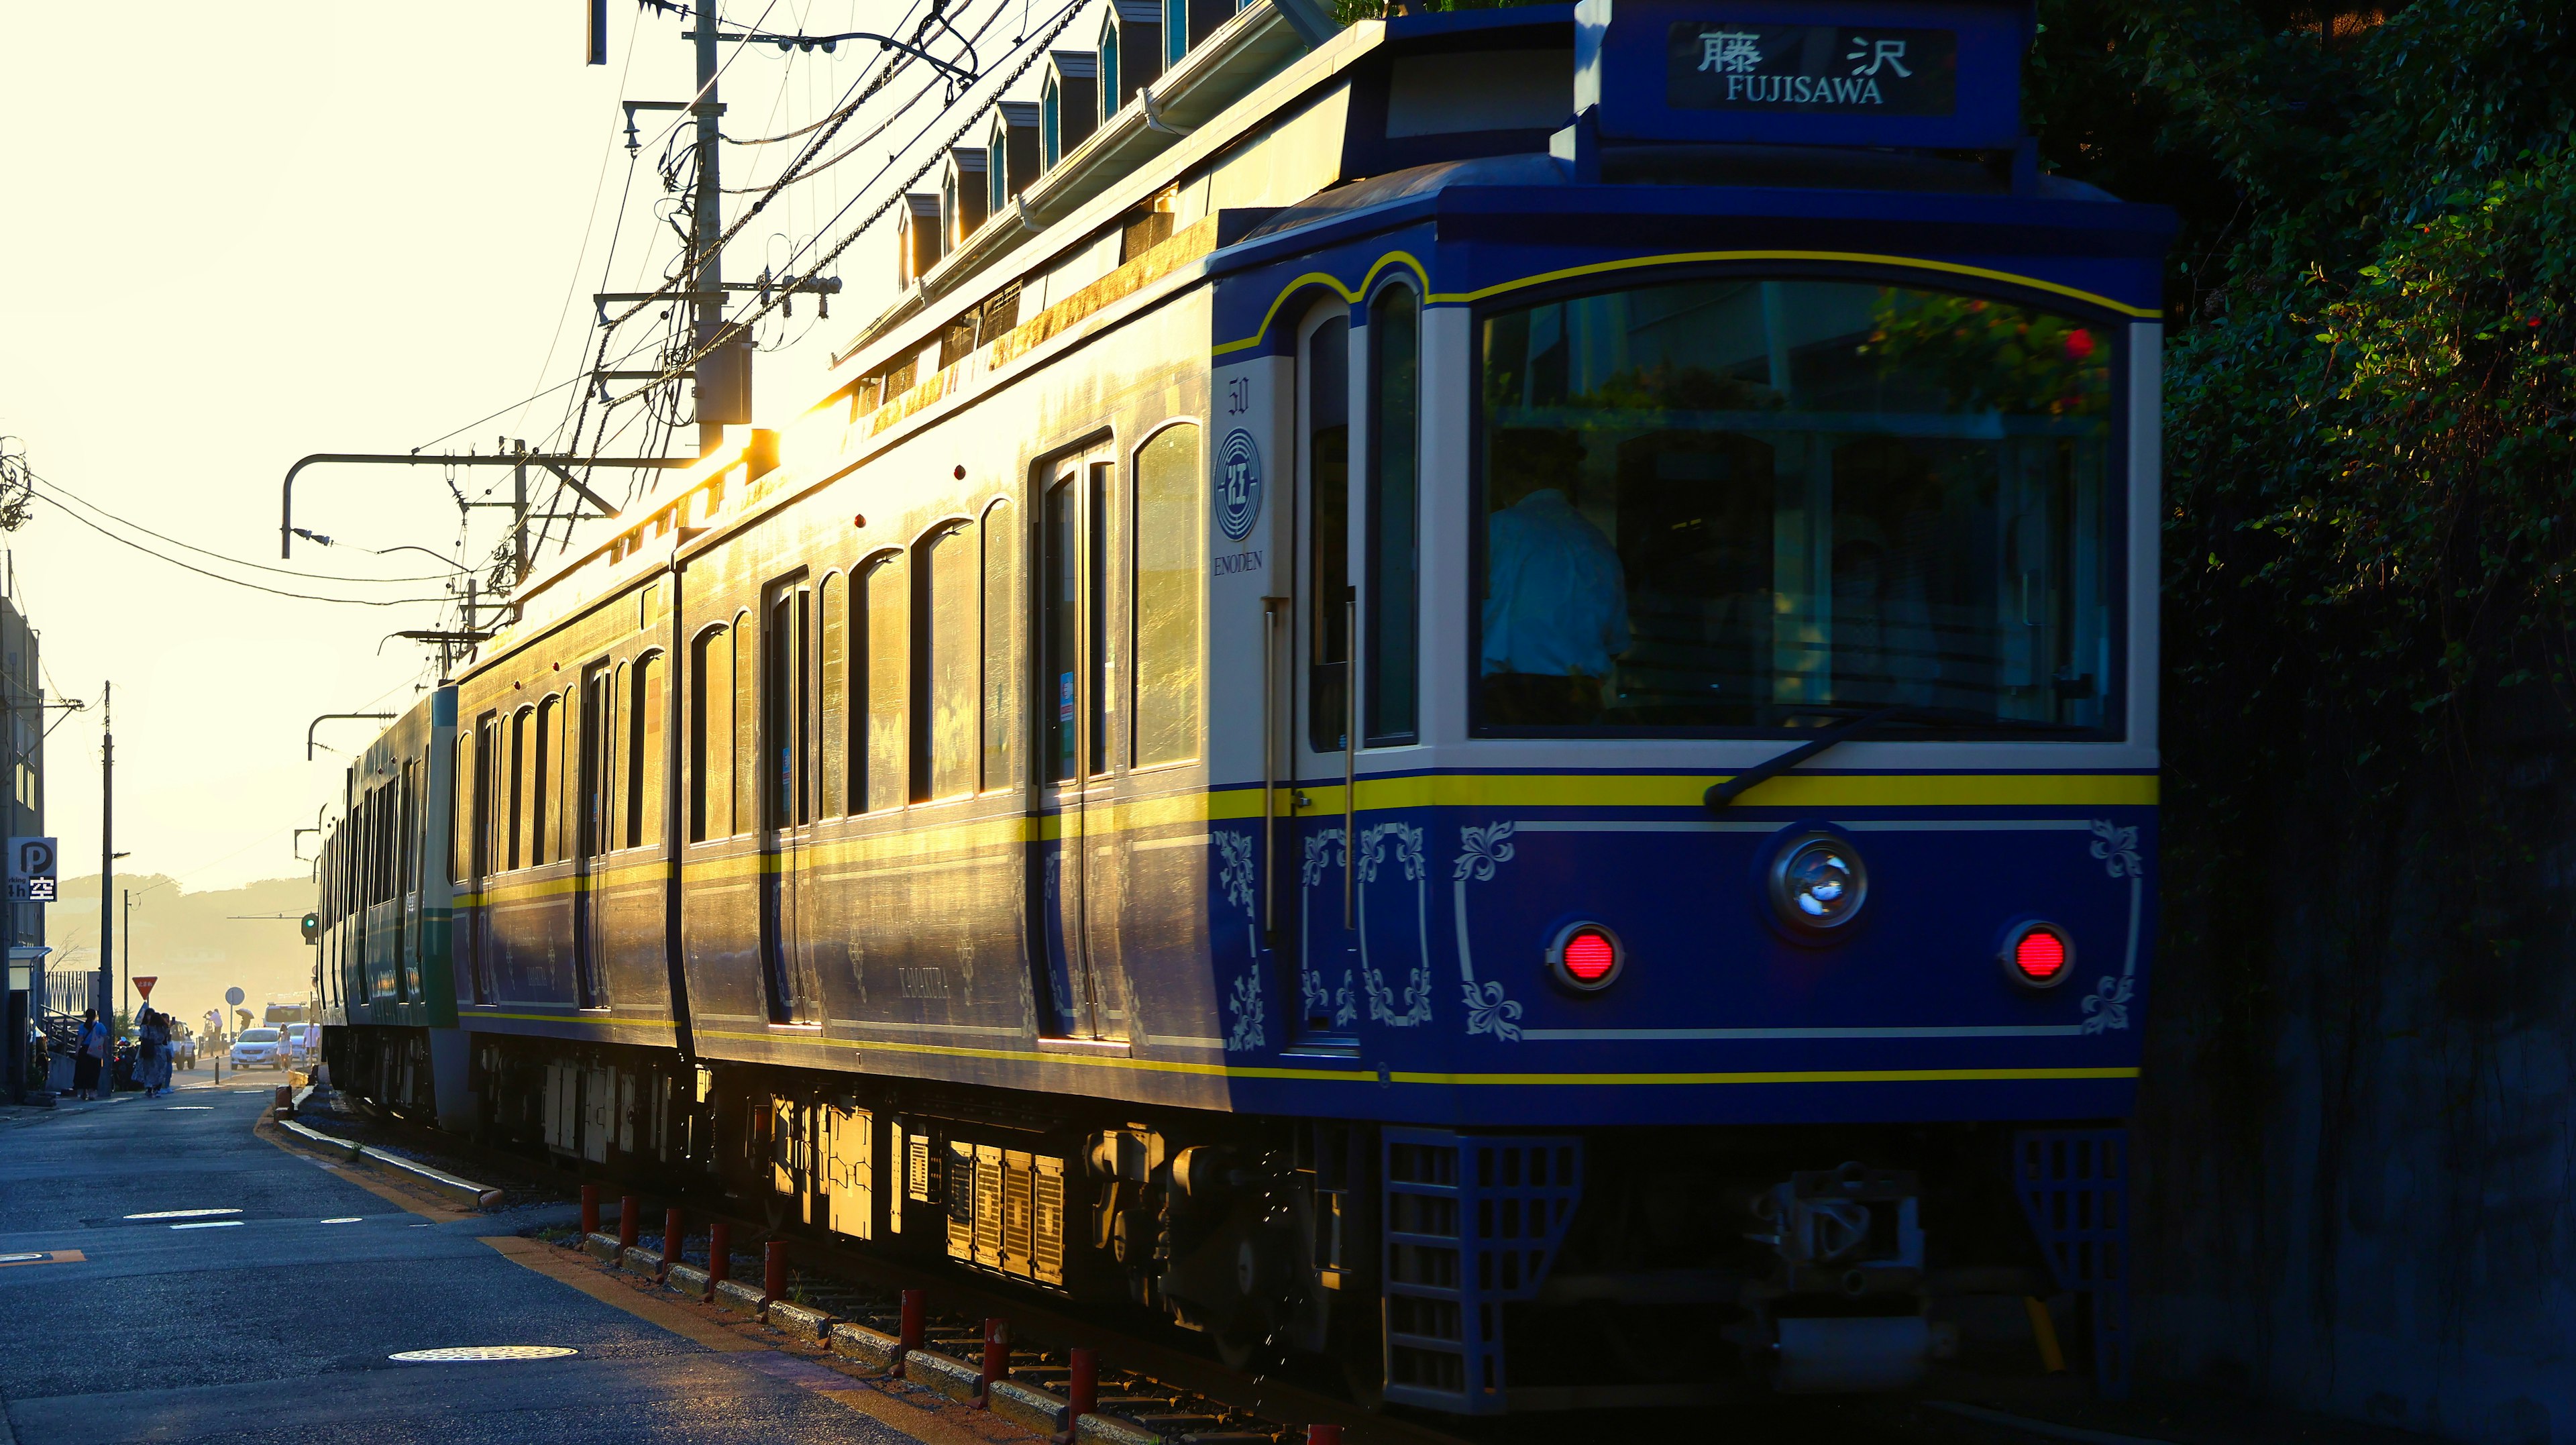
<point x="1720" y="795"/>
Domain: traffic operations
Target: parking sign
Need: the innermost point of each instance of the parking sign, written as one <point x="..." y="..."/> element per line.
<point x="31" y="870"/>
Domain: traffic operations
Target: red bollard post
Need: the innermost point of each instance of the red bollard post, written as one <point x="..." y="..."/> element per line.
<point x="719" y="1253"/>
<point x="673" y="1241"/>
<point x="1323" y="1435"/>
<point x="1085" y="1389"/>
<point x="773" y="1274"/>
<point x="916" y="1310"/>
<point x="589" y="1210"/>
<point x="997" y="1358"/>
<point x="630" y="1221"/>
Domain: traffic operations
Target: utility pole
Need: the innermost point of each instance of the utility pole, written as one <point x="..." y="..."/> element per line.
<point x="127" y="994"/>
<point x="106" y="994"/>
<point x="519" y="518"/>
<point x="706" y="223"/>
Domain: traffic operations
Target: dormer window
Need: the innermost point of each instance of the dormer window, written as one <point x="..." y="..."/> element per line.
<point x="964" y="199"/>
<point x="1068" y="104"/>
<point x="1188" y="23"/>
<point x="1010" y="153"/>
<point x="1131" y="52"/>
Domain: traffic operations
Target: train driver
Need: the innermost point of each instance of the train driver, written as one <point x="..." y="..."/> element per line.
<point x="1556" y="597"/>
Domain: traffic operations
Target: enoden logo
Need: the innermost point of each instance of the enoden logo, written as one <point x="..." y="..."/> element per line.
<point x="1238" y="485"/>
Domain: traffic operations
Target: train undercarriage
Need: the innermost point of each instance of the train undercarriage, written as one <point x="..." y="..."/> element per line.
<point x="1468" y="1273"/>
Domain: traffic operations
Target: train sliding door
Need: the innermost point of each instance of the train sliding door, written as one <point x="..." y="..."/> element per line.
<point x="1315" y="866"/>
<point x="1078" y="758"/>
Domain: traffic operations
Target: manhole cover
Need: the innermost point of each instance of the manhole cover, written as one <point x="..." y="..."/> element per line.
<point x="183" y="1214"/>
<point x="472" y="1354"/>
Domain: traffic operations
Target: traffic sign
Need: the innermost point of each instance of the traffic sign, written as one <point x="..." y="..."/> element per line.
<point x="143" y="983"/>
<point x="234" y="996"/>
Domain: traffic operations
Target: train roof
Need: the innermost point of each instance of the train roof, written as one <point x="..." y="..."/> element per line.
<point x="1278" y="127"/>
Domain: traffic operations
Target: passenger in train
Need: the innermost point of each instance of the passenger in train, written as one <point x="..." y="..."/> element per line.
<point x="1556" y="598"/>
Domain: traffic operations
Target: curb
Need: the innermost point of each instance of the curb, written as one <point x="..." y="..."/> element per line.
<point x="686" y="1279"/>
<point x="1029" y="1409"/>
<point x="639" y="1260"/>
<point x="954" y="1378"/>
<point x="802" y="1321"/>
<point x="874" y="1348"/>
<point x="1108" y="1430"/>
<point x="741" y="1298"/>
<point x="475" y="1196"/>
<point x="602" y="1247"/>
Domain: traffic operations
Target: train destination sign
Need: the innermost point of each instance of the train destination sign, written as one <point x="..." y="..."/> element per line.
<point x="1873" y="70"/>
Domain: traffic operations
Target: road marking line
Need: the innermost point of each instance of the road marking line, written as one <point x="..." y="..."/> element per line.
<point x="43" y="1256"/>
<point x="211" y="1224"/>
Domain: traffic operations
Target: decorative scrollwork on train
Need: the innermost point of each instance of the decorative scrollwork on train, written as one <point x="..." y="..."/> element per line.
<point x="2108" y="1009"/>
<point x="1235" y="881"/>
<point x="1382" y="1001"/>
<point x="1251" y="1028"/>
<point x="2117" y="847"/>
<point x="1480" y="852"/>
<point x="2108" y="1006"/>
<point x="1324" y="851"/>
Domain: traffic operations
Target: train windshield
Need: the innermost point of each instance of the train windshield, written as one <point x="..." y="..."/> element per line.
<point x="1719" y="506"/>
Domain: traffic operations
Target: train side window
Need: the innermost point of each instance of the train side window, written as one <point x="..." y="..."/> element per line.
<point x="521" y="724"/>
<point x="464" y="805"/>
<point x="786" y="700"/>
<point x="1328" y="531"/>
<point x="889" y="678"/>
<point x="1165" y="589"/>
<point x="747" y="771"/>
<point x="549" y="785"/>
<point x="1062" y="586"/>
<point x="711" y="736"/>
<point x="832" y="667"/>
<point x="1097" y="548"/>
<point x="591" y="832"/>
<point x="1001" y="647"/>
<point x="945" y="644"/>
<point x="1394" y="528"/>
<point x="568" y="776"/>
<point x="644" y="753"/>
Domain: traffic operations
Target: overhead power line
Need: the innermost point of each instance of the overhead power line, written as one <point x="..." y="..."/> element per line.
<point x="70" y="495"/>
<point x="235" y="581"/>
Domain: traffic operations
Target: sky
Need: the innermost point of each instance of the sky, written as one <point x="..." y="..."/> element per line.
<point x="239" y="236"/>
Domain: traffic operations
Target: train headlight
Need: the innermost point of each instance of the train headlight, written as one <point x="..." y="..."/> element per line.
<point x="1586" y="956"/>
<point x="1818" y="883"/>
<point x="2038" y="955"/>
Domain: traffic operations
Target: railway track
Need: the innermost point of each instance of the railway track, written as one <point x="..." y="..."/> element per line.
<point x="1154" y="1385"/>
<point x="1156" y="1388"/>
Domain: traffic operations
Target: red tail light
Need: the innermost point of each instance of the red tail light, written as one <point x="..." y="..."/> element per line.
<point x="1586" y="956"/>
<point x="2038" y="955"/>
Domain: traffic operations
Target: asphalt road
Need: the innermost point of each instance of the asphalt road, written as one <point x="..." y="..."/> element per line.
<point x="276" y="1323"/>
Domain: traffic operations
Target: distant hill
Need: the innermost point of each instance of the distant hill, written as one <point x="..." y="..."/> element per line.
<point x="196" y="944"/>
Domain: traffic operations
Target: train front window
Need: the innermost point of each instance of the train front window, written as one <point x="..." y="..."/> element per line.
<point x="1728" y="505"/>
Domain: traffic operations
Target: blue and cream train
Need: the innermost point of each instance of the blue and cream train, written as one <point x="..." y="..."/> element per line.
<point x="938" y="823"/>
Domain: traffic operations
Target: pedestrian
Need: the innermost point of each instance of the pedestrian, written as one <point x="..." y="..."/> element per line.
<point x="152" y="1054"/>
<point x="92" y="1056"/>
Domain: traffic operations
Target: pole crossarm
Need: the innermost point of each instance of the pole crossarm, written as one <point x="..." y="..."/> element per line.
<point x="328" y="716"/>
<point x="555" y="464"/>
